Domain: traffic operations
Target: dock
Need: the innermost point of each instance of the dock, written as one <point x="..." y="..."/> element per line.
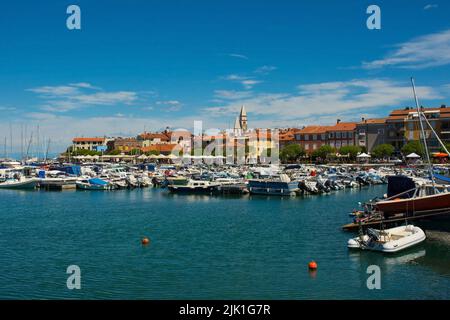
<point x="57" y="184"/>
<point x="419" y="215"/>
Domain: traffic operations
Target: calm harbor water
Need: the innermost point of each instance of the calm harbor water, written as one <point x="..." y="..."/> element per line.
<point x="203" y="248"/>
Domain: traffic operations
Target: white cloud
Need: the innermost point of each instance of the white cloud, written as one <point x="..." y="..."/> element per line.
<point x="76" y="95"/>
<point x="430" y="50"/>
<point x="3" y="108"/>
<point x="55" y="91"/>
<point x="430" y="6"/>
<point x="319" y="99"/>
<point x="170" y="105"/>
<point x="232" y="94"/>
<point x="234" y="77"/>
<point x="265" y="69"/>
<point x="240" y="56"/>
<point x="246" y="82"/>
<point x="107" y="98"/>
<point x="84" y="85"/>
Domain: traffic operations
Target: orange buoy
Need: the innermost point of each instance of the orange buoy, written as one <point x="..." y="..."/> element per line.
<point x="145" y="241"/>
<point x="312" y="265"/>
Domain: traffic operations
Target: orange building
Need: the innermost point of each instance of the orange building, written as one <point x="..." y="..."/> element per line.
<point x="339" y="135"/>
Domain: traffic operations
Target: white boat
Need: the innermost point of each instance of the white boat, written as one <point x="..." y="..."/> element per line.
<point x="21" y="183"/>
<point x="93" y="184"/>
<point x="388" y="240"/>
<point x="194" y="186"/>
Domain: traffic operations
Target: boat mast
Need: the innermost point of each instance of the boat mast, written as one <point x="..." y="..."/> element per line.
<point x="419" y="113"/>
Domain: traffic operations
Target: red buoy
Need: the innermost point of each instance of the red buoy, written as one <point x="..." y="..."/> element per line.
<point x="312" y="265"/>
<point x="145" y="241"/>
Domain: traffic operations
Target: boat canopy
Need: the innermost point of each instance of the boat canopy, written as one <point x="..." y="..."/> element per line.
<point x="442" y="178"/>
<point x="398" y="185"/>
<point x="98" y="181"/>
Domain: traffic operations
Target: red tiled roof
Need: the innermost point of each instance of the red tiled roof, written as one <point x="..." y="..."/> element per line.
<point x="159" y="147"/>
<point x="151" y="136"/>
<point x="343" y="126"/>
<point x="373" y="121"/>
<point x="313" y="129"/>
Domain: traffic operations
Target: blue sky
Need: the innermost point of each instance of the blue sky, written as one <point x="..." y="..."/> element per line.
<point x="151" y="64"/>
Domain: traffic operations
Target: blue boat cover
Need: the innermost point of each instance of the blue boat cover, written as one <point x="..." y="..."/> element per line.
<point x="41" y="174"/>
<point x="72" y="170"/>
<point x="98" y="181"/>
<point x="442" y="178"/>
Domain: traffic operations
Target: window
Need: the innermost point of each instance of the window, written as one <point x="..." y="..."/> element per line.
<point x="306" y="137"/>
<point x="338" y="135"/>
<point x="350" y="135"/>
<point x="314" y="137"/>
<point x="338" y="144"/>
<point x="332" y="144"/>
<point x="307" y="146"/>
<point x="298" y="137"/>
<point x="344" y="135"/>
<point x="331" y="135"/>
<point x="323" y="136"/>
<point x="314" y="146"/>
<point x="362" y="131"/>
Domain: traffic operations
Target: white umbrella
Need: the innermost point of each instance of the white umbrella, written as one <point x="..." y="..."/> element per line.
<point x="413" y="156"/>
<point x="363" y="155"/>
<point x="142" y="157"/>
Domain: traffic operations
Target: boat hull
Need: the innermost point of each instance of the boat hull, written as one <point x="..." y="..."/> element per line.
<point x="192" y="190"/>
<point x="92" y="187"/>
<point x="273" y="188"/>
<point x="426" y="203"/>
<point x="22" y="185"/>
<point x="403" y="243"/>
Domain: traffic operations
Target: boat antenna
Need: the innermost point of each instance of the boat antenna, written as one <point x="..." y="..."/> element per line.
<point x="419" y="112"/>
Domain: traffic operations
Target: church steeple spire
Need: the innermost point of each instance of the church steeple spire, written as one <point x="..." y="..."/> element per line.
<point x="243" y="118"/>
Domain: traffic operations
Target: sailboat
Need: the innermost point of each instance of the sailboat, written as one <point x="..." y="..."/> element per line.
<point x="423" y="198"/>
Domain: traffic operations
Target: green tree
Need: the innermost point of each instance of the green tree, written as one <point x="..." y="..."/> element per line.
<point x="413" y="146"/>
<point x="152" y="152"/>
<point x="291" y="152"/>
<point x="323" y="152"/>
<point x="135" y="151"/>
<point x="447" y="145"/>
<point x="83" y="152"/>
<point x="352" y="151"/>
<point x="383" y="151"/>
<point x="114" y="152"/>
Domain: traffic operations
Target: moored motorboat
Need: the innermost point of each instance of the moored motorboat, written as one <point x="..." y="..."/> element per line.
<point x="195" y="187"/>
<point x="93" y="184"/>
<point x="388" y="240"/>
<point x="21" y="183"/>
<point x="281" y="186"/>
<point x="404" y="196"/>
